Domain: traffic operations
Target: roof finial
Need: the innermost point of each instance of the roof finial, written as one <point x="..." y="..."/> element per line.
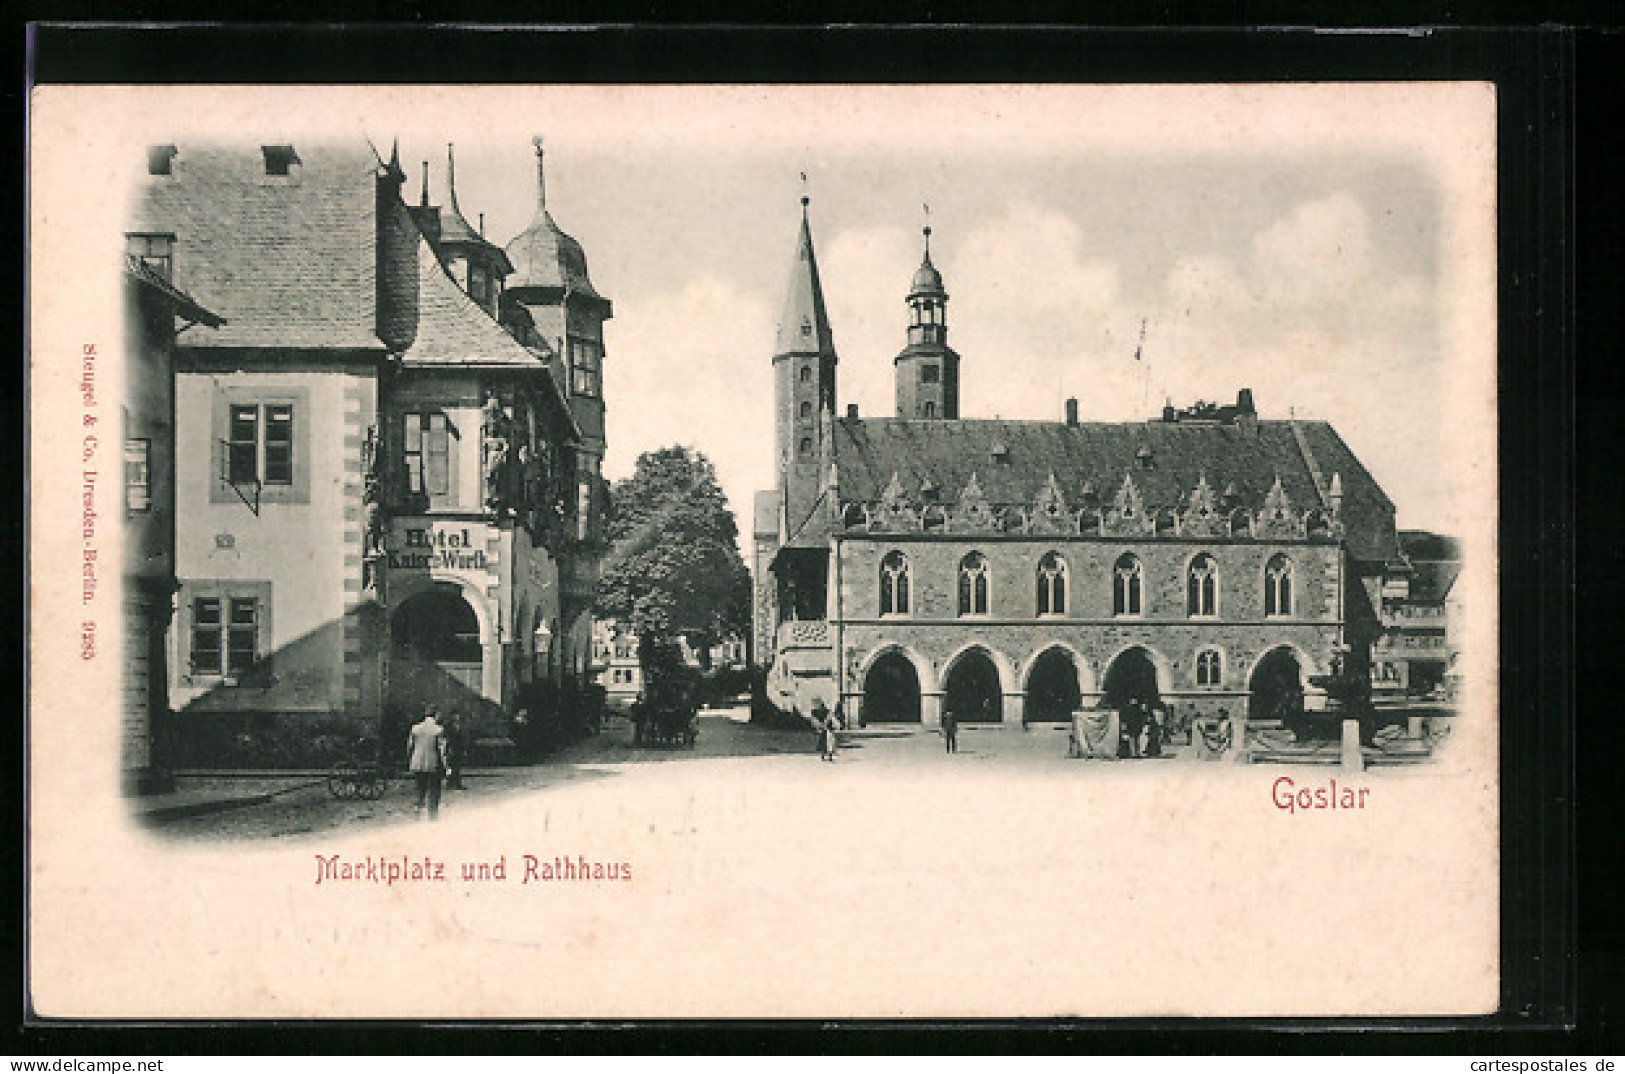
<point x="541" y="174"/>
<point x="395" y="157"/>
<point x="928" y="231"/>
<point x="805" y="200"/>
<point x="425" y="201"/>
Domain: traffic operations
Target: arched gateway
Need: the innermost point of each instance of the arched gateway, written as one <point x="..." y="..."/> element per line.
<point x="1275" y="691"/>
<point x="436" y="658"/>
<point x="972" y="692"/>
<point x="1131" y="677"/>
<point x="891" y="690"/>
<point x="1052" y="687"/>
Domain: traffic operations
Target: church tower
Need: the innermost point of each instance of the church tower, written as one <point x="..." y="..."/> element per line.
<point x="927" y="369"/>
<point x="804" y="384"/>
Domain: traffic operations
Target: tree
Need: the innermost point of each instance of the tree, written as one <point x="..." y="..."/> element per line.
<point x="674" y="565"/>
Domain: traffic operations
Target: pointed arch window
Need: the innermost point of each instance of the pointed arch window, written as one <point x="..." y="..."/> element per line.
<point x="1202" y="586"/>
<point x="1052" y="584"/>
<point x="1278" y="586"/>
<point x="975" y="581"/>
<point x="1209" y="668"/>
<point x="1128" y="584"/>
<point x="894" y="584"/>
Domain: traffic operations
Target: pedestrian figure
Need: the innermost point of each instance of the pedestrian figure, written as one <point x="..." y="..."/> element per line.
<point x="426" y="748"/>
<point x="456" y="752"/>
<point x="824" y="725"/>
<point x="1154" y="724"/>
<point x="950" y="732"/>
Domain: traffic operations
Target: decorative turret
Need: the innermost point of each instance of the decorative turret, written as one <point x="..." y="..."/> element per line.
<point x="927" y="370"/>
<point x="476" y="265"/>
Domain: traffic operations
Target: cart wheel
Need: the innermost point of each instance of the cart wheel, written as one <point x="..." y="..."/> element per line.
<point x="371" y="787"/>
<point x="343" y="779"/>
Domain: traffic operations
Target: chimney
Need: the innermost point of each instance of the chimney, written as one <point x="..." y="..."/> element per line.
<point x="852" y="410"/>
<point x="1246" y="413"/>
<point x="1072" y="411"/>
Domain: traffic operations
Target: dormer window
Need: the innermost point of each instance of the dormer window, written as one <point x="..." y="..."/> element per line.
<point x="279" y="159"/>
<point x="156" y="251"/>
<point x="1000" y="452"/>
<point x="160" y="159"/>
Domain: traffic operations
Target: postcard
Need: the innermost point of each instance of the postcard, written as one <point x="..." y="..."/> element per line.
<point x="879" y="551"/>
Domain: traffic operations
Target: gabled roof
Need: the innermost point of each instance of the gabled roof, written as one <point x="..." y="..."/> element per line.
<point x="804" y="322"/>
<point x="287" y="260"/>
<point x="1013" y="461"/>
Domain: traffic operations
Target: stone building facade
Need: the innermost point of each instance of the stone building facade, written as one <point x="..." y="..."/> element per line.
<point x="383" y="496"/>
<point x="1016" y="571"/>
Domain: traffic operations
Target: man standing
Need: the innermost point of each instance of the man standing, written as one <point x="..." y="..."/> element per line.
<point x="950" y="731"/>
<point x="426" y="747"/>
<point x="456" y="752"/>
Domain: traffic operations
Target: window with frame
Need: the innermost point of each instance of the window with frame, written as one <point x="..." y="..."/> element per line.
<point x="586" y="367"/>
<point x="259" y="444"/>
<point x="805" y="410"/>
<point x="138" y="475"/>
<point x="1278" y="586"/>
<point x="224" y="635"/>
<point x="426" y="449"/>
<point x="1209" y="668"/>
<point x="1202" y="586"/>
<point x="894" y="584"/>
<point x="930" y="410"/>
<point x="930" y="374"/>
<point x="156" y="251"/>
<point x="975" y="581"/>
<point x="1051" y="584"/>
<point x="1128" y="584"/>
<point x="806" y="370"/>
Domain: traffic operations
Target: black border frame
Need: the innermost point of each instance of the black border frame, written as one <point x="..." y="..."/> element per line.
<point x="1535" y="70"/>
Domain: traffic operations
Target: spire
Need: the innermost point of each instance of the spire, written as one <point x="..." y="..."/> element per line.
<point x="395" y="159"/>
<point x="541" y="175"/>
<point x="804" y="325"/>
<point x="451" y="180"/>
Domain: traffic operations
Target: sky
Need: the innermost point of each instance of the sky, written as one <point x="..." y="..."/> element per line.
<point x="1329" y="247"/>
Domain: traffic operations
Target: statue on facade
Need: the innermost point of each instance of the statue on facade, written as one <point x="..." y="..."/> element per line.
<point x="494" y="452"/>
<point x="372" y="510"/>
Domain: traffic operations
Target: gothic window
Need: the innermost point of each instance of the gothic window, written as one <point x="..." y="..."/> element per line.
<point x="1128" y="581"/>
<point x="1209" y="668"/>
<point x="974" y="582"/>
<point x="1051" y="585"/>
<point x="1278" y="586"/>
<point x="1202" y="586"/>
<point x="894" y="584"/>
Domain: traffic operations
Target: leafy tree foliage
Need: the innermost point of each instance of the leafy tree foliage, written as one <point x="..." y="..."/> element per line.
<point x="674" y="565"/>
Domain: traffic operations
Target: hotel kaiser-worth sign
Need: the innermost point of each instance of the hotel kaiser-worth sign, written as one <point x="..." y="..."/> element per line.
<point x="438" y="547"/>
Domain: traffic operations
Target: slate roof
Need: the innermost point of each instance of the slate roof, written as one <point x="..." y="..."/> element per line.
<point x="288" y="261"/>
<point x="1435" y="564"/>
<point x="182" y="303"/>
<point x="453" y="330"/>
<point x="1097" y="455"/>
<point x="804" y="302"/>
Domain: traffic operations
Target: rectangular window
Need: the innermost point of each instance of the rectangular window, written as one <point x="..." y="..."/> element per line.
<point x="241" y="635"/>
<point x="137" y="475"/>
<point x="930" y="374"/>
<point x="206" y="636"/>
<point x="157" y="252"/>
<point x="242" y="445"/>
<point x="279" y="444"/>
<point x="585" y="368"/>
<point x="426" y="447"/>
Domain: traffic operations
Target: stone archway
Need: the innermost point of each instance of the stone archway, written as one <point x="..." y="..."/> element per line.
<point x="1132" y="676"/>
<point x="972" y="690"/>
<point x="891" y="690"/>
<point x="1275" y="689"/>
<point x="1053" y="691"/>
<point x="437" y="657"/>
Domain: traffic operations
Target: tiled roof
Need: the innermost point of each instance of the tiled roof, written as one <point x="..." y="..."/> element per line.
<point x="1013" y="460"/>
<point x="453" y="330"/>
<point x="804" y="321"/>
<point x="287" y="260"/>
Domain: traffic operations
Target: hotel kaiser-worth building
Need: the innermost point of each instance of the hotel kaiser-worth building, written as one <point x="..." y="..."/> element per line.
<point x="387" y="493"/>
<point x="1016" y="571"/>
